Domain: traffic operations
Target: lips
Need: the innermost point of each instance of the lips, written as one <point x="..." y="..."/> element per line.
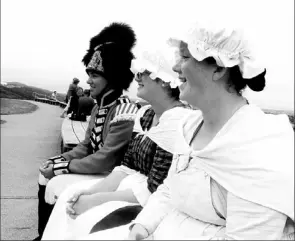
<point x="91" y="88"/>
<point x="183" y="82"/>
<point x="182" y="79"/>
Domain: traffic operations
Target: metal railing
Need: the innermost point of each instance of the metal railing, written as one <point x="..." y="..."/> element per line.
<point x="47" y="99"/>
<point x="41" y="96"/>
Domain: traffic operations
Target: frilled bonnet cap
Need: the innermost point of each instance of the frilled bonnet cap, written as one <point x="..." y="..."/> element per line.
<point x="225" y="45"/>
<point x="159" y="62"/>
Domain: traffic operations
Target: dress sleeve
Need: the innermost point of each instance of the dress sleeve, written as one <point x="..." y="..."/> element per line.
<point x="157" y="207"/>
<point x="128" y="155"/>
<point x="250" y="221"/>
<point x="141" y="191"/>
<point x="159" y="170"/>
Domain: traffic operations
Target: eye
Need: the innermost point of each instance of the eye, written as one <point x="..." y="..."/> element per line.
<point x="185" y="57"/>
<point x="138" y="75"/>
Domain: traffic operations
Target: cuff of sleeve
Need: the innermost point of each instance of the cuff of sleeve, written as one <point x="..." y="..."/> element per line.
<point x="146" y="220"/>
<point x="57" y="159"/>
<point x="134" y="223"/>
<point x="61" y="167"/>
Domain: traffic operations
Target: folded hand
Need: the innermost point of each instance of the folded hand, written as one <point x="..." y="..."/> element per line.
<point x="47" y="172"/>
<point x="81" y="205"/>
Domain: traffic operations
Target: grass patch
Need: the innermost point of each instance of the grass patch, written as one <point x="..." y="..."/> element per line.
<point x="12" y="107"/>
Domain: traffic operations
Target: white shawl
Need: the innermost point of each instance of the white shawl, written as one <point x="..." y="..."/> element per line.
<point x="164" y="133"/>
<point x="252" y="156"/>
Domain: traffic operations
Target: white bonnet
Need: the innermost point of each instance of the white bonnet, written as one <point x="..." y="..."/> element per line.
<point x="159" y="61"/>
<point x="225" y="45"/>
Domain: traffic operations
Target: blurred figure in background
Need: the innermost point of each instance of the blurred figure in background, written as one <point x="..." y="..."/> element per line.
<point x="72" y="105"/>
<point x="54" y="95"/>
<point x="85" y="105"/>
<point x="72" y="91"/>
<point x="74" y="102"/>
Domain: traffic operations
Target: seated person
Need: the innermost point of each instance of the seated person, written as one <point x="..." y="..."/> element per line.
<point x="143" y="168"/>
<point x="232" y="176"/>
<point x="111" y="123"/>
<point x="85" y="104"/>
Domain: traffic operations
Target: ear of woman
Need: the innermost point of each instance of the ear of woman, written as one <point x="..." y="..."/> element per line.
<point x="219" y="73"/>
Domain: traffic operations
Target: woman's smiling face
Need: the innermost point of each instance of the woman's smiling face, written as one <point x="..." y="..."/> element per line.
<point x="148" y="88"/>
<point x="194" y="75"/>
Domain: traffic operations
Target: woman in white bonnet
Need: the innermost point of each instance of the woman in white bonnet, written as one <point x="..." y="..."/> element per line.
<point x="232" y="173"/>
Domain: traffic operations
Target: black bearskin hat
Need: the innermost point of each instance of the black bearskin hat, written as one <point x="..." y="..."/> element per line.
<point x="110" y="55"/>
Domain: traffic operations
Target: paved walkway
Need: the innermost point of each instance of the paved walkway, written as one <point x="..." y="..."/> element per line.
<point x="26" y="140"/>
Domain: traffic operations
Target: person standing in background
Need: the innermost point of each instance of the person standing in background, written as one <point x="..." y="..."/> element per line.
<point x="54" y="95"/>
<point x="73" y="107"/>
<point x="72" y="90"/>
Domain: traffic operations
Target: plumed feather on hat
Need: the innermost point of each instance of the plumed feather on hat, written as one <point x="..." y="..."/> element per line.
<point x="119" y="33"/>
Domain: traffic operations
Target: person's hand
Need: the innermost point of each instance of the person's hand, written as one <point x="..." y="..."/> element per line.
<point x="70" y="211"/>
<point x="72" y="200"/>
<point x="74" y="196"/>
<point x="84" y="203"/>
<point x="47" y="172"/>
<point x="46" y="163"/>
<point x="138" y="232"/>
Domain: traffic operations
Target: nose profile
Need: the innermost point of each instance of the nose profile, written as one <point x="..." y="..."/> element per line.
<point x="88" y="80"/>
<point x="177" y="67"/>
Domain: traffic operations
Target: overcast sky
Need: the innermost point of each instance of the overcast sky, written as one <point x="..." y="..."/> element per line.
<point x="43" y="41"/>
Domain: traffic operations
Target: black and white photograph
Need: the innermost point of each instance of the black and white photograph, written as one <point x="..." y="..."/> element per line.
<point x="147" y="120"/>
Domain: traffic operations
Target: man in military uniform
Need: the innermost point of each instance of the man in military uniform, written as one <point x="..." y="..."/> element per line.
<point x="108" y="63"/>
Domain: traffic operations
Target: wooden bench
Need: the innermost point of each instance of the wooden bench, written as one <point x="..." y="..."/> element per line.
<point x="73" y="132"/>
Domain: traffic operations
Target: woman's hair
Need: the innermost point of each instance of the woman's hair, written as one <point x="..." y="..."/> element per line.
<point x="237" y="83"/>
<point x="173" y="93"/>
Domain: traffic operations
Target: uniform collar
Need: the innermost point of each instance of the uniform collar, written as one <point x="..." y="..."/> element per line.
<point x="108" y="98"/>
